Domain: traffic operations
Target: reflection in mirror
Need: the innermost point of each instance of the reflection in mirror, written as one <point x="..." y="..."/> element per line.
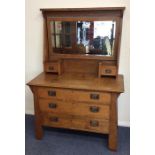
<point x="81" y="37"/>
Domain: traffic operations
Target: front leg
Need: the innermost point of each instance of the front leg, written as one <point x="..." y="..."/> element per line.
<point x="113" y="123"/>
<point x="38" y="129"/>
<point x="38" y="115"/>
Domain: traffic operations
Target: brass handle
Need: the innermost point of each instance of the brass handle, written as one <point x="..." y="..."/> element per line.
<point x="108" y="71"/>
<point x="54" y="119"/>
<point x="94" y="123"/>
<point x="51" y="68"/>
<point x="52" y="105"/>
<point x="94" y="109"/>
<point x="94" y="96"/>
<point x="52" y="93"/>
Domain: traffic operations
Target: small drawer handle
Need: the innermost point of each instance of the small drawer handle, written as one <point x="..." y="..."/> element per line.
<point x="51" y="93"/>
<point x="94" y="109"/>
<point x="52" y="105"/>
<point x="94" y="123"/>
<point x="108" y="71"/>
<point x="54" y="119"/>
<point x="51" y="68"/>
<point x="94" y="96"/>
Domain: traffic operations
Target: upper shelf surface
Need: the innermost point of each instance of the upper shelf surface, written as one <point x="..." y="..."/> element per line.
<point x="80" y="81"/>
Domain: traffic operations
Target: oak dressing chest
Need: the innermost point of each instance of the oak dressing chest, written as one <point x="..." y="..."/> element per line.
<point x="80" y="84"/>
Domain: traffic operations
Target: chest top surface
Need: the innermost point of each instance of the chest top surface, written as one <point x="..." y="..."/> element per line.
<point x="80" y="81"/>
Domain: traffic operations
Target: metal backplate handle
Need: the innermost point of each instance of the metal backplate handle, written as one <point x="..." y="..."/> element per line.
<point x="95" y="96"/>
<point x="54" y="119"/>
<point x="108" y="71"/>
<point x="94" y="109"/>
<point x="52" y="93"/>
<point x="94" y="123"/>
<point x="51" y="68"/>
<point x="52" y="105"/>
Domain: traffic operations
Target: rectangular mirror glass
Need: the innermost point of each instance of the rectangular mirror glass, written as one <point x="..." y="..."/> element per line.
<point x="83" y="37"/>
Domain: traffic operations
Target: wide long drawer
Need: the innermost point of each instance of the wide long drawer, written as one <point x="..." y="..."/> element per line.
<point x="74" y="95"/>
<point x="74" y="108"/>
<point x="86" y="124"/>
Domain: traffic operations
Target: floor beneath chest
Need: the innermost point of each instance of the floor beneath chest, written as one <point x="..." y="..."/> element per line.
<point x="66" y="142"/>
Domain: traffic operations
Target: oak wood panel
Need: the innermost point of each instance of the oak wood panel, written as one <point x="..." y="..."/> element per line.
<point x="74" y="95"/>
<point x="77" y="123"/>
<point x="79" y="82"/>
<point x="80" y="66"/>
<point x="74" y="108"/>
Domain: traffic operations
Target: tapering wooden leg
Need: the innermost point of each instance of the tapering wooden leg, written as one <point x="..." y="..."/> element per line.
<point x="38" y="130"/>
<point x="113" y="138"/>
<point x="113" y="124"/>
<point x="38" y="115"/>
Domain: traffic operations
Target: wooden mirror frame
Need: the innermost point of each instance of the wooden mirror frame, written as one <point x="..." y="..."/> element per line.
<point x="86" y="14"/>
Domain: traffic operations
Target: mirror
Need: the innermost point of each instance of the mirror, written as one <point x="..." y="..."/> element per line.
<point x="83" y="37"/>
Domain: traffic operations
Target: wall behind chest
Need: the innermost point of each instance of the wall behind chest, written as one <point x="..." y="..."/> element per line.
<point x="34" y="46"/>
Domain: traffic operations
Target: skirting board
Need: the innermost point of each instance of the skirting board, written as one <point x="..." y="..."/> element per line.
<point x="120" y="123"/>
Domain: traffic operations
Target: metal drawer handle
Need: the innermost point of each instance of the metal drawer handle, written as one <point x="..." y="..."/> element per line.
<point x="54" y="119"/>
<point x="52" y="93"/>
<point x="52" y="105"/>
<point x="94" y="96"/>
<point x="94" y="109"/>
<point x="94" y="123"/>
<point x="51" y="68"/>
<point x="108" y="71"/>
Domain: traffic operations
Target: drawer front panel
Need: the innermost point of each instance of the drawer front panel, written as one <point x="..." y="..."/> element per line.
<point x="79" y="109"/>
<point x="95" y="125"/>
<point x="85" y="124"/>
<point x="88" y="96"/>
<point x="53" y="93"/>
<point x="75" y="95"/>
<point x="52" y="67"/>
<point x="55" y="106"/>
<point x="107" y="70"/>
<point x="91" y="110"/>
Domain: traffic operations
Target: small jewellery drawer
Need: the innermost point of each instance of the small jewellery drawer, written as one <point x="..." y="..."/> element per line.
<point x="53" y="93"/>
<point x="53" y="67"/>
<point x="91" y="110"/>
<point x="89" y="124"/>
<point x="88" y="96"/>
<point x="55" y="106"/>
<point x="107" y="70"/>
<point x="57" y="121"/>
